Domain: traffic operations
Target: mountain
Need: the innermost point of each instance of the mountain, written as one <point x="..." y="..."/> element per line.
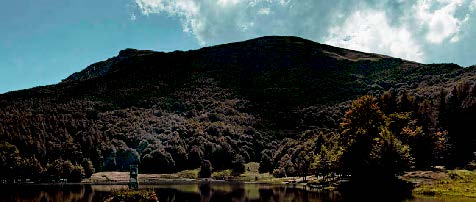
<point x="226" y="103"/>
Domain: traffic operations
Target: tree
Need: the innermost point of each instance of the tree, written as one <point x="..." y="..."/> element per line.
<point x="285" y="167"/>
<point x="266" y="162"/>
<point x="30" y="168"/>
<point x="325" y="161"/>
<point x="76" y="174"/>
<point x="223" y="154"/>
<point x="10" y="157"/>
<point x="361" y="124"/>
<point x="238" y="164"/>
<point x="55" y="169"/>
<point x="205" y="169"/>
<point x="110" y="162"/>
<point x="126" y="157"/>
<point x="195" y="156"/>
<point x="371" y="150"/>
<point x="65" y="170"/>
<point x="180" y="156"/>
<point x="456" y="116"/>
<point x="389" y="156"/>
<point x="389" y="101"/>
<point x="425" y="146"/>
<point x="158" y="161"/>
<point x="303" y="163"/>
<point x="405" y="102"/>
<point x="88" y="168"/>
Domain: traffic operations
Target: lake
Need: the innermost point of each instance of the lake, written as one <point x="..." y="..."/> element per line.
<point x="183" y="192"/>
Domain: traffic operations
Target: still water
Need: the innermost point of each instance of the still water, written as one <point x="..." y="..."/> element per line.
<point x="182" y="192"/>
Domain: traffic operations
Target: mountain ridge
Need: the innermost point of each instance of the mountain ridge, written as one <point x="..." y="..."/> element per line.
<point x="335" y="52"/>
<point x="228" y="103"/>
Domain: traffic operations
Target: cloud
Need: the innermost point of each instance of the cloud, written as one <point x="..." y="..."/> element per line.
<point x="401" y="28"/>
<point x="264" y="11"/>
<point x="206" y="19"/>
<point x="472" y="6"/>
<point x="220" y="21"/>
<point x="225" y="3"/>
<point x="133" y="17"/>
<point x="441" y="22"/>
<point x="371" y="31"/>
<point x="186" y="10"/>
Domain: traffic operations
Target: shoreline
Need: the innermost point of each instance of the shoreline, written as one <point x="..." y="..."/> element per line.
<point x="427" y="184"/>
<point x="160" y="182"/>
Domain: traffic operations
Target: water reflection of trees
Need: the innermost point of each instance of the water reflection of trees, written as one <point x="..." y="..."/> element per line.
<point x="68" y="193"/>
<point x="244" y="193"/>
<point x="169" y="193"/>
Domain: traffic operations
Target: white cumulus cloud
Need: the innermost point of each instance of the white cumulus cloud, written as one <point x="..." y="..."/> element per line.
<point x="227" y="2"/>
<point x="264" y="11"/>
<point x="441" y="23"/>
<point x="210" y="21"/>
<point x="371" y="31"/>
<point x="473" y="5"/>
<point x="187" y="10"/>
<point x="411" y="29"/>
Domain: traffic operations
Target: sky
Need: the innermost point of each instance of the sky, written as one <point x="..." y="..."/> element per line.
<point x="44" y="41"/>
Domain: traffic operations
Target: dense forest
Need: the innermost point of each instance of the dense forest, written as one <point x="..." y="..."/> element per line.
<point x="296" y="106"/>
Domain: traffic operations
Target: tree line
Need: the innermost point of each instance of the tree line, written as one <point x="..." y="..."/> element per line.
<point x="378" y="135"/>
<point x="382" y="136"/>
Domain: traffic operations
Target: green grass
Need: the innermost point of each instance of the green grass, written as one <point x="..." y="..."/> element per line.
<point x="189" y="174"/>
<point x="222" y="174"/>
<point x="132" y="195"/>
<point x="251" y="174"/>
<point x="460" y="183"/>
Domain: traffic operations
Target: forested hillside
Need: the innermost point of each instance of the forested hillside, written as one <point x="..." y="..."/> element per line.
<point x="293" y="105"/>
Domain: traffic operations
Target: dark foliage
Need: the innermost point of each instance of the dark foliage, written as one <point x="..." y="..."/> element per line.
<point x="238" y="165"/>
<point x="257" y="100"/>
<point x="205" y="169"/>
<point x="266" y="161"/>
<point x="456" y="117"/>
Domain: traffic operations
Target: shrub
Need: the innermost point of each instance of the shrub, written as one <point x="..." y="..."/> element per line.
<point x="205" y="169"/>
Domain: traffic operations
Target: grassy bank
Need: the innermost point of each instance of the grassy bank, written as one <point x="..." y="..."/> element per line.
<point x="251" y="174"/>
<point x="453" y="183"/>
<point x="123" y="177"/>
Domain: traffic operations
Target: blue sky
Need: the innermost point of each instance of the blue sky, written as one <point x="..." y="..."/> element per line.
<point x="44" y="41"/>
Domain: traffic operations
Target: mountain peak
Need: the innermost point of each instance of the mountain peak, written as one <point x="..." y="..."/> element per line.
<point x="127" y="52"/>
<point x="267" y="52"/>
<point x="104" y="67"/>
